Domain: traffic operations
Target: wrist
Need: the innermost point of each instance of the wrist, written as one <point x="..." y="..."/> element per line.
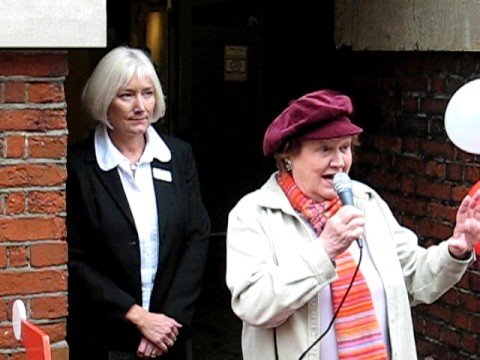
<point x="459" y="255"/>
<point x="135" y="314"/>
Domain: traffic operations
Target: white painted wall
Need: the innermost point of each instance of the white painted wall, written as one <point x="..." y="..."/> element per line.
<point x="53" y="23"/>
<point x="389" y="25"/>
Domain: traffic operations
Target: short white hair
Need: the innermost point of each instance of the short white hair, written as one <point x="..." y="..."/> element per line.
<point x="115" y="70"/>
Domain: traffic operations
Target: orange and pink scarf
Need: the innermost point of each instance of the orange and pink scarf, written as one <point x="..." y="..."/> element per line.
<point x="356" y="326"/>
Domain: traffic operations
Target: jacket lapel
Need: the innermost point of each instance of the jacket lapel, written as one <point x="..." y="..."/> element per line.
<point x="112" y="184"/>
<point x="164" y="195"/>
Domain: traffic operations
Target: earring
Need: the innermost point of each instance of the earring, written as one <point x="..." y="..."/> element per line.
<point x="288" y="165"/>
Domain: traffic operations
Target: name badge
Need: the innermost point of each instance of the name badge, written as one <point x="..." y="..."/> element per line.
<point x="161" y="174"/>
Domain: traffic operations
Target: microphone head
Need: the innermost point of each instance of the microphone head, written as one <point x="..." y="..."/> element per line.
<point x="341" y="182"/>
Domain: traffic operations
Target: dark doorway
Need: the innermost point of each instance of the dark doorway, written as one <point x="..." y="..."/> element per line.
<point x="228" y="68"/>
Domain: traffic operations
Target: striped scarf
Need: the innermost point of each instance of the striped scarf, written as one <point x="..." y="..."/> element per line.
<point x="356" y="326"/>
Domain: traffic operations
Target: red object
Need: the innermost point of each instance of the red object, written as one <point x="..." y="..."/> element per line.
<point x="323" y="114"/>
<point x="472" y="192"/>
<point x="36" y="342"/>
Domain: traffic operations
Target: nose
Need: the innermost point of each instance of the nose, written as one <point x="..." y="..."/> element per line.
<point x="139" y="103"/>
<point x="337" y="160"/>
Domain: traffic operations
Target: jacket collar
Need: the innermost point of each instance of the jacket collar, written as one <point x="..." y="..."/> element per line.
<point x="109" y="157"/>
<point x="271" y="195"/>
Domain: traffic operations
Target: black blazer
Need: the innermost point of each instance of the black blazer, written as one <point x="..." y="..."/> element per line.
<point x="104" y="254"/>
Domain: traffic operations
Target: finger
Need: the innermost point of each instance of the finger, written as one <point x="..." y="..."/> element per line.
<point x="172" y="336"/>
<point x="141" y="347"/>
<point x="163" y="347"/>
<point x="463" y="208"/>
<point x="348" y="213"/>
<point x="150" y="350"/>
<point x="476" y="198"/>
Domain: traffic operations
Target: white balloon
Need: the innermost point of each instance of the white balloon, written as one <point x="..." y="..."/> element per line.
<point x="462" y="117"/>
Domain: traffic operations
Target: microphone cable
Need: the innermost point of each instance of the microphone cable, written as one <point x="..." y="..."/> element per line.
<point x="339" y="306"/>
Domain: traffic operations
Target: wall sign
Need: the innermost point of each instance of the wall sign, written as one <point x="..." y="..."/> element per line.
<point x="235" y="63"/>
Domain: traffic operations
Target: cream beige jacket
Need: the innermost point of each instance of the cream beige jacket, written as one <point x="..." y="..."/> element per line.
<point x="276" y="267"/>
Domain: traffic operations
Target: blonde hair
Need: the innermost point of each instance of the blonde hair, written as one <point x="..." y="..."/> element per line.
<point x="115" y="70"/>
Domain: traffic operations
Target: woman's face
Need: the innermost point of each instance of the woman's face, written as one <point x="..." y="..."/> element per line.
<point x="131" y="110"/>
<point x="317" y="162"/>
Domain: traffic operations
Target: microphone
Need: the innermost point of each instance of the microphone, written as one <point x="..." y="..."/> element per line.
<point x="343" y="187"/>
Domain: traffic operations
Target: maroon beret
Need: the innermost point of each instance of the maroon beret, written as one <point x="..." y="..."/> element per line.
<point x="323" y="114"/>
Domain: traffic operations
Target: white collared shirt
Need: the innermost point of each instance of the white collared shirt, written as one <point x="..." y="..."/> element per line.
<point x="140" y="194"/>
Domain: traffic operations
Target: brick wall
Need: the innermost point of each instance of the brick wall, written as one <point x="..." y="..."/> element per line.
<point x="400" y="100"/>
<point x="33" y="139"/>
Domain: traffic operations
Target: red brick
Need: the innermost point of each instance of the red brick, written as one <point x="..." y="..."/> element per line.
<point x="57" y="331"/>
<point x="14" y="92"/>
<point x="32" y="175"/>
<point x="474" y="281"/>
<point x="436" y="169"/>
<point x="49" y="307"/>
<point x="412" y="206"/>
<point x="3" y="258"/>
<point x="33" y="282"/>
<point x="469" y="302"/>
<point x="7" y="340"/>
<point x="432" y="329"/>
<point x="470" y="343"/>
<point x="434" y="106"/>
<point x="46" y="92"/>
<point x="17" y="256"/>
<point x="52" y="147"/>
<point x="18" y="356"/>
<point x="461" y="321"/>
<point x="472" y="173"/>
<point x="32" y="120"/>
<point x="436" y="230"/>
<point x="3" y="310"/>
<point x="60" y="352"/>
<point x="384" y="142"/>
<point x="46" y="202"/>
<point x="15" y="203"/>
<point x="15" y="147"/>
<point x="437" y="149"/>
<point x="442" y="212"/>
<point x="464" y="156"/>
<point x="407" y="185"/>
<point x="450" y="337"/>
<point x="434" y="190"/>
<point x="409" y="165"/>
<point x="438" y="85"/>
<point x="48" y="254"/>
<point x="412" y="83"/>
<point x="454" y="172"/>
<point x="33" y="64"/>
<point x="411" y="105"/>
<point x="459" y="192"/>
<point x="25" y="229"/>
<point x="410" y="145"/>
<point x="475" y="323"/>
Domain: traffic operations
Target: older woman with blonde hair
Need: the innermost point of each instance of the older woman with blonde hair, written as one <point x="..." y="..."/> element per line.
<point x="313" y="279"/>
<point x="137" y="228"/>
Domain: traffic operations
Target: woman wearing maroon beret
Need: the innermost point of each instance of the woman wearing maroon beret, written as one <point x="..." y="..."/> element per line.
<point x="312" y="279"/>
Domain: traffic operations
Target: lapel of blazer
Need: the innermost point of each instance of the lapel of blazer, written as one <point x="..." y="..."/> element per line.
<point x="112" y="184"/>
<point x="164" y="196"/>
